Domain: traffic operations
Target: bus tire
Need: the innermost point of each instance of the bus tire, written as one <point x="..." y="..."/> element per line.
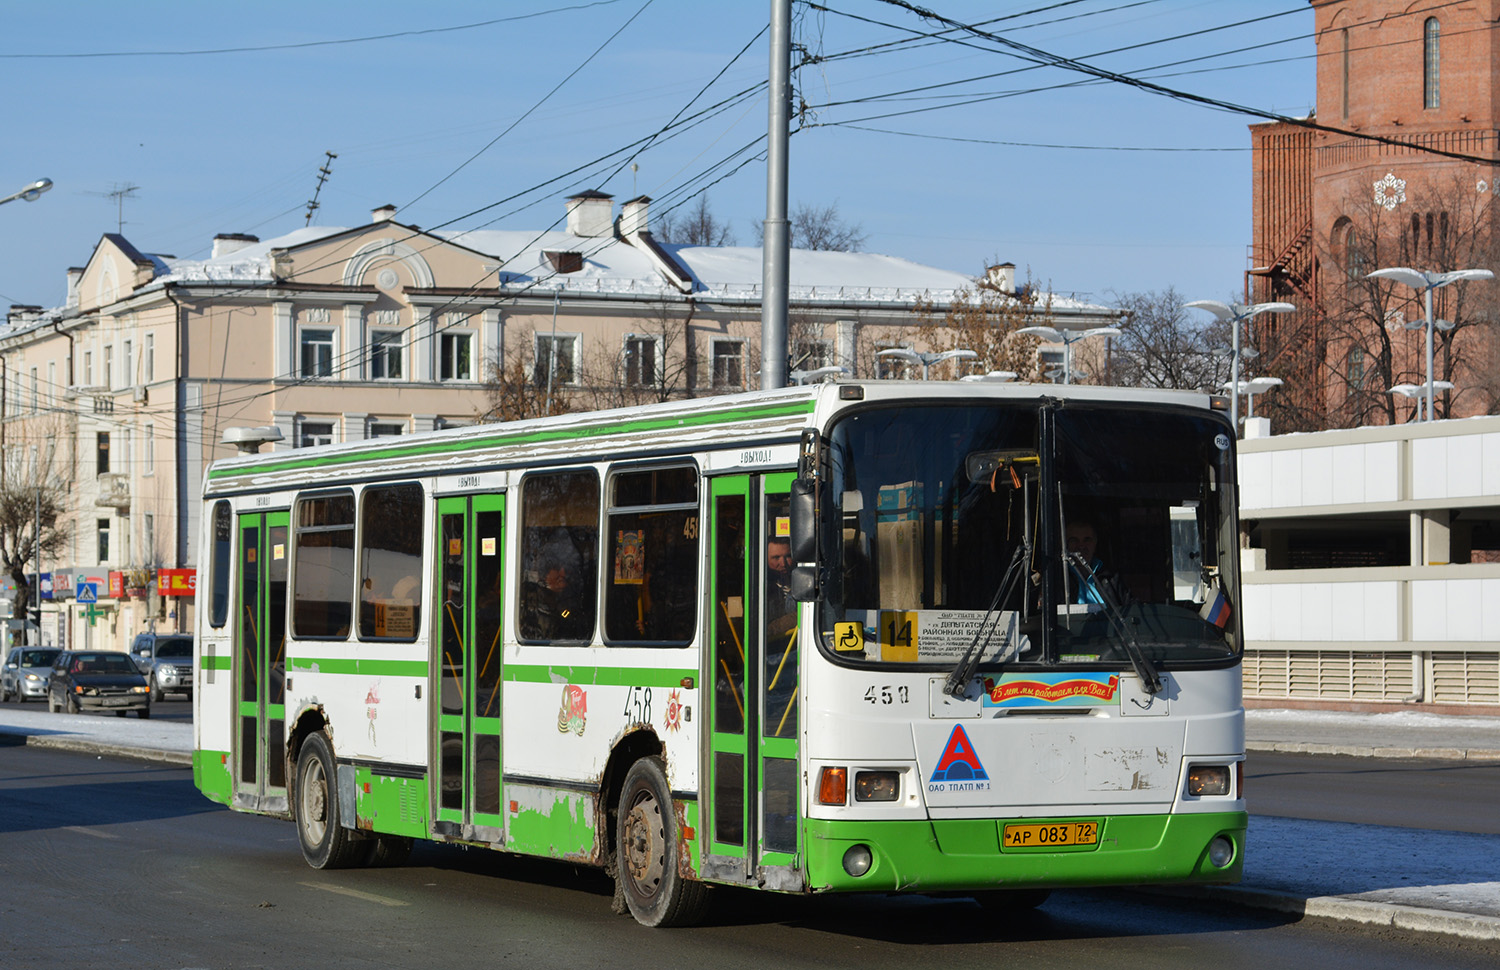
<point x="326" y="844"/>
<point x="648" y="845"/>
<point x="384" y="851"/>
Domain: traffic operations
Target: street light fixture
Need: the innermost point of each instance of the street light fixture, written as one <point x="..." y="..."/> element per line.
<point x="1427" y="282"/>
<point x="1059" y="335"/>
<point x="31" y="193"/>
<point x="1419" y="391"/>
<point x="925" y="359"/>
<point x="993" y="377"/>
<point x="816" y="374"/>
<point x="1236" y="314"/>
<point x="1250" y="388"/>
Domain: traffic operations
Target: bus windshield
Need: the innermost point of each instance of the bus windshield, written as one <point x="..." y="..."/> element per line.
<point x="1101" y="536"/>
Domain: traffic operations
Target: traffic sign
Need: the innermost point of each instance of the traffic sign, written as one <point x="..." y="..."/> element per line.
<point x="88" y="592"/>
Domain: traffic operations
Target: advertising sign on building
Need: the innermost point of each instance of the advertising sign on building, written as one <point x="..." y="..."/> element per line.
<point x="176" y="582"/>
<point x="116" y="584"/>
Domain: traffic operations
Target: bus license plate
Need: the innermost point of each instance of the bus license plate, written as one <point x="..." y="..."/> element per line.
<point x="1056" y="833"/>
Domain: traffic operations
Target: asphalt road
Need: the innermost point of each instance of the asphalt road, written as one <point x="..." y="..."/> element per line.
<point x="110" y="863"/>
<point x="1453" y="796"/>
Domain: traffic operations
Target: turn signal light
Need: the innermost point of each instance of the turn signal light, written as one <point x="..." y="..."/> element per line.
<point x="1208" y="780"/>
<point x="833" y="786"/>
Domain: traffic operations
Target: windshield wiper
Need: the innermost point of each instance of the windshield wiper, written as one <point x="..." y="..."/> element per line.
<point x="959" y="677"/>
<point x="1150" y="679"/>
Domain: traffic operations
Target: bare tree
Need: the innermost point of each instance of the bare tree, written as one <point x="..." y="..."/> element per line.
<point x="1166" y="345"/>
<point x="516" y="387"/>
<point x="695" y="226"/>
<point x="650" y="364"/>
<point x="819" y="228"/>
<point x="985" y="320"/>
<point x="33" y="497"/>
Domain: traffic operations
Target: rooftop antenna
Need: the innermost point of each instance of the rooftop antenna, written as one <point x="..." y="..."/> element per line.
<point x="119" y="193"/>
<point x="323" y="173"/>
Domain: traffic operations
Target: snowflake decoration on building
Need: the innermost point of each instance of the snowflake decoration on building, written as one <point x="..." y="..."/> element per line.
<point x="1390" y="192"/>
<point x="1482" y="187"/>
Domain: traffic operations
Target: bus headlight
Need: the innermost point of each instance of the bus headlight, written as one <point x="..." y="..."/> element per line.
<point x="877" y="786"/>
<point x="857" y="860"/>
<point x="1220" y="852"/>
<point x="1208" y="780"/>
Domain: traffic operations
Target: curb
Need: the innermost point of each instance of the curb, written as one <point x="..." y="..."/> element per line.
<point x="87" y="746"/>
<point x="1414" y="919"/>
<point x="1371" y="751"/>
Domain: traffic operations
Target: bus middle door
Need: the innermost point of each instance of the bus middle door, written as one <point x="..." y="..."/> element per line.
<point x="753" y="798"/>
<point x="259" y="662"/>
<point x="467" y="666"/>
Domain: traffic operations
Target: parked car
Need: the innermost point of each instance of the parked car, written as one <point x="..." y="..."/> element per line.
<point x="26" y="673"/>
<point x="97" y="680"/>
<point x="166" y="661"/>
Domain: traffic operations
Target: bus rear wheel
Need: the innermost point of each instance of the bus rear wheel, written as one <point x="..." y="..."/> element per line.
<point x="648" y="849"/>
<point x="326" y="844"/>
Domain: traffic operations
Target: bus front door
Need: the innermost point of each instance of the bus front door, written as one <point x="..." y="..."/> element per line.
<point x="259" y="663"/>
<point x="467" y="666"/>
<point x="753" y="799"/>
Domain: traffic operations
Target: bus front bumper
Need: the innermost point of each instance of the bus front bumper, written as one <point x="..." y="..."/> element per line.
<point x="966" y="855"/>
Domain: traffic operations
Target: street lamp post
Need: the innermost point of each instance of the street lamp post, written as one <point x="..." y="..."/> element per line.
<point x="31" y="193"/>
<point x="1068" y="338"/>
<point x="1236" y="314"/>
<point x="925" y="359"/>
<point x="1427" y="282"/>
<point x="1250" y="388"/>
<point x="1419" y="392"/>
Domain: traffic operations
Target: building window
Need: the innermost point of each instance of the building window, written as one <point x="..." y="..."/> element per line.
<point x="809" y="355"/>
<point x="456" y="359"/>
<point x="1355" y="368"/>
<point x="641" y="361"/>
<point x="150" y="361"/>
<point x="88" y="368"/>
<point x="107" y="379"/>
<point x="729" y="363"/>
<point x="1430" y="94"/>
<point x="386" y="429"/>
<point x="556" y="360"/>
<point x="310" y="434"/>
<point x="317" y="352"/>
<point x="101" y="452"/>
<point x="127" y="362"/>
<point x="1345" y="33"/>
<point x="36" y="391"/>
<point x="385" y="355"/>
<point x="150" y="446"/>
<point x="103" y="539"/>
<point x="1354" y="256"/>
<point x="51" y="382"/>
<point x="148" y="535"/>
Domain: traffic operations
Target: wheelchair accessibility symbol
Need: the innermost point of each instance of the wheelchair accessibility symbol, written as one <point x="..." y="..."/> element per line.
<point x="848" y="637"/>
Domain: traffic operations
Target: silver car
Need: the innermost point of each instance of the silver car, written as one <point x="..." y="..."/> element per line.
<point x="26" y="673"/>
<point x="166" y="661"/>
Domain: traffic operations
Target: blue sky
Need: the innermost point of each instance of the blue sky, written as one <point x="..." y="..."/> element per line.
<point x="232" y="141"/>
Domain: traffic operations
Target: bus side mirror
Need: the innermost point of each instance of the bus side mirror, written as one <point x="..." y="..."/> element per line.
<point x="802" y="583"/>
<point x="804" y="516"/>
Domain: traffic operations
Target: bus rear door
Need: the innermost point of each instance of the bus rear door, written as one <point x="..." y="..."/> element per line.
<point x="259" y="663"/>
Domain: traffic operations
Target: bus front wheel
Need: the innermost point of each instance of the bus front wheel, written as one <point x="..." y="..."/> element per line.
<point x="648" y="846"/>
<point x="326" y="844"/>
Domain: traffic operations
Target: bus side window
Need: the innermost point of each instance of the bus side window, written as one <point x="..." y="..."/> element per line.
<point x="651" y="582"/>
<point x="559" y="553"/>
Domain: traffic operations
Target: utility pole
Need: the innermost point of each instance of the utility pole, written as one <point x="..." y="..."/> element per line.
<point x="775" y="254"/>
<point x="323" y="173"/>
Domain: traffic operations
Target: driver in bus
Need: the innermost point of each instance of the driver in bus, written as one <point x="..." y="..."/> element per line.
<point x="1082" y="539"/>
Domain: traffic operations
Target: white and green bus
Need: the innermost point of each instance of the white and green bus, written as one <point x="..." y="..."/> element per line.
<point x="952" y="638"/>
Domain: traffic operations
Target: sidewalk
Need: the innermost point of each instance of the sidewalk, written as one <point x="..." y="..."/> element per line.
<point x="1410" y="879"/>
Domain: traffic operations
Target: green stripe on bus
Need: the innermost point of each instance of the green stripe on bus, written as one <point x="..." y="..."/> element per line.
<point x="597" y="676"/>
<point x="524" y="438"/>
<point x="379" y="668"/>
<point x="214" y="661"/>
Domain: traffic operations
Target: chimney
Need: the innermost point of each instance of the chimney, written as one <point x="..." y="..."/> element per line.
<point x="591" y="214"/>
<point x="75" y="275"/>
<point x="232" y="242"/>
<point x="1002" y="278"/>
<point x="635" y="215"/>
<point x="23" y="315"/>
<point x="564" y="262"/>
<point x="385" y="213"/>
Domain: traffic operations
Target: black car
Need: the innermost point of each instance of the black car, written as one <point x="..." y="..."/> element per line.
<point x="97" y="680"/>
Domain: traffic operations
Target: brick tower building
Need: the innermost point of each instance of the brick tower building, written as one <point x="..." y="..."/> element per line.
<point x="1407" y="179"/>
